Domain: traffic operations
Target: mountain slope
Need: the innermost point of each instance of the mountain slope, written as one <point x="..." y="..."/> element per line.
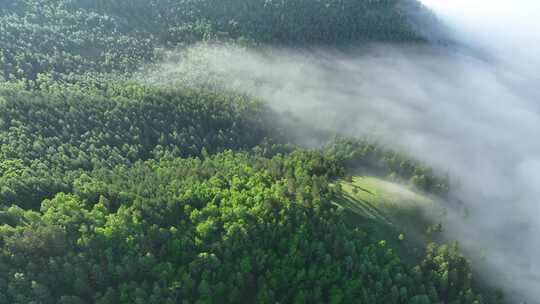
<point x="117" y="192"/>
<point x="71" y="37"/>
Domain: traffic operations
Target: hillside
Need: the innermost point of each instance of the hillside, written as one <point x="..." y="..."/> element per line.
<point x="71" y="37"/>
<point x="392" y="203"/>
<point x="392" y="211"/>
<point x="112" y="191"/>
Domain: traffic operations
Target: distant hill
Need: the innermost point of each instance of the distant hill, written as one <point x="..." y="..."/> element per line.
<point x="72" y="37"/>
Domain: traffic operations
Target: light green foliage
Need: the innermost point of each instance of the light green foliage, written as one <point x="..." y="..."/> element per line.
<point x="223" y="229"/>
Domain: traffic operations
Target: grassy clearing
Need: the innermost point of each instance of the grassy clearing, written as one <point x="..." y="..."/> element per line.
<point x="377" y="198"/>
<point x="389" y="210"/>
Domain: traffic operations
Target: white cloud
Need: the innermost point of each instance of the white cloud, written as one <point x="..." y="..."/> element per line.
<point x="478" y="118"/>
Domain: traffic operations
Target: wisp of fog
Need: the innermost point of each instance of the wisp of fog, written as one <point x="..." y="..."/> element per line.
<point x="474" y="116"/>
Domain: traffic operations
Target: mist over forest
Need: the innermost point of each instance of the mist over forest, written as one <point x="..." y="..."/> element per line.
<point x="206" y="151"/>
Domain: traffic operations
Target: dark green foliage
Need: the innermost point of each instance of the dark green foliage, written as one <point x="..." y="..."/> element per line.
<point x="360" y="154"/>
<point x="275" y="21"/>
<point x="47" y="136"/>
<point x="71" y="37"/>
<point x="48" y="38"/>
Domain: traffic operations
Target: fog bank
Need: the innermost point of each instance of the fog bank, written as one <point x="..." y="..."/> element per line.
<point x="476" y="117"/>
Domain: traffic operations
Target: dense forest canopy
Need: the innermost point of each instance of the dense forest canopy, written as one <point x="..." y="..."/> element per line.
<point x="117" y="192"/>
<point x="67" y="37"/>
<point x="49" y="135"/>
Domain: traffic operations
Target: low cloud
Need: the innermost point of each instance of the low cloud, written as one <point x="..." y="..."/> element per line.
<point x="476" y="117"/>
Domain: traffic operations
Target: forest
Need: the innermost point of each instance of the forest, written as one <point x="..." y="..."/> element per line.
<point x="67" y="38"/>
<point x="112" y="191"/>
